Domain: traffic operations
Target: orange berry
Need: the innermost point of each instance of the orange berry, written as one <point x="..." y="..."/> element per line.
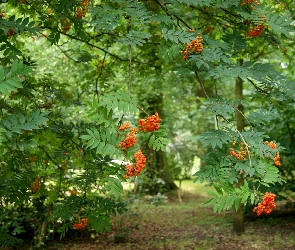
<point x="150" y="124"/>
<point x="81" y="224"/>
<point x="10" y="32"/>
<point x="132" y="170"/>
<point x="129" y="140"/>
<point x="65" y="25"/>
<point x="267" y="205"/>
<point x="36" y="185"/>
<point x="193" y="46"/>
<point x="74" y="192"/>
<point x="126" y="125"/>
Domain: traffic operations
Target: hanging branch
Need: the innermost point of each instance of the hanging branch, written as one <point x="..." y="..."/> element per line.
<point x="179" y="19"/>
<point x="242" y="138"/>
<point x="130" y="69"/>
<point x="64" y="52"/>
<point x="202" y="84"/>
<point x="100" y="73"/>
<point x="256" y="87"/>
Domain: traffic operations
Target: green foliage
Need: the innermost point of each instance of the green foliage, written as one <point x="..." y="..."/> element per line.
<point x="177" y="36"/>
<point x="225" y="169"/>
<point x="19" y="25"/>
<point x="114" y="186"/>
<point x="7" y="240"/>
<point x="157" y="140"/>
<point x="11" y="78"/>
<point x="215" y="138"/>
<point x="18" y="122"/>
<point x="118" y="100"/>
<point x="278" y="24"/>
<point x="104" y="141"/>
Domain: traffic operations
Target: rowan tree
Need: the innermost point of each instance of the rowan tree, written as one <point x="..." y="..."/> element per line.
<point x="59" y="133"/>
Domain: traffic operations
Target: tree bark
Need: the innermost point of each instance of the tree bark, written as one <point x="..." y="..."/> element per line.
<point x="238" y="226"/>
<point x="239" y="220"/>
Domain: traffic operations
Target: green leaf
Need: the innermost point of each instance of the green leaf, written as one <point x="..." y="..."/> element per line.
<point x="218" y="189"/>
<point x="237" y="203"/>
<point x="114" y="187"/>
<point x="215" y="138"/>
<point x="279" y="25"/>
<point x="229" y="201"/>
<point x="12" y="80"/>
<point x="1" y="74"/>
<point x="211" y="193"/>
<point x="100" y="223"/>
<point x="63" y="229"/>
<point x="244" y="197"/>
<point x="18" y="122"/>
<point x="209" y="202"/>
<point x="252" y="198"/>
<point x="271" y="175"/>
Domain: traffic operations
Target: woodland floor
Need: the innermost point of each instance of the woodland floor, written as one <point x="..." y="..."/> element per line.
<point x="186" y="225"/>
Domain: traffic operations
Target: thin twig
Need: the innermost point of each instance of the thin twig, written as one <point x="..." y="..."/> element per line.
<point x="99" y="75"/>
<point x="50" y="158"/>
<point x="64" y="52"/>
<point x="256" y="87"/>
<point x="244" y="117"/>
<point x="202" y="84"/>
<point x="246" y="145"/>
<point x="143" y="110"/>
<point x="163" y="7"/>
<point x="130" y="69"/>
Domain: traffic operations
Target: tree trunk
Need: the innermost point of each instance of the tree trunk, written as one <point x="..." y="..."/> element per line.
<point x="238" y="226"/>
<point x="156" y="166"/>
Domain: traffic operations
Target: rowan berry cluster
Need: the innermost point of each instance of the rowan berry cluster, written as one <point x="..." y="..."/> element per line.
<point x="150" y="124"/>
<point x="132" y="170"/>
<point x="240" y="154"/>
<point x="48" y="105"/>
<point x="129" y="140"/>
<point x="3" y="15"/>
<point x="251" y="2"/>
<point x="277" y="158"/>
<point x="10" y="32"/>
<point x="81" y="224"/>
<point x="271" y="144"/>
<point x="125" y="126"/>
<point x="267" y="205"/>
<point x="193" y="47"/>
<point x="82" y="10"/>
<point x="64" y="166"/>
<point x="33" y="158"/>
<point x="79" y="153"/>
<point x="36" y="185"/>
<point x="256" y="31"/>
<point x="74" y="192"/>
<point x="65" y="26"/>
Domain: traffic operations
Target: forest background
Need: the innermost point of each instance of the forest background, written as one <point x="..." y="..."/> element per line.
<point x="98" y="93"/>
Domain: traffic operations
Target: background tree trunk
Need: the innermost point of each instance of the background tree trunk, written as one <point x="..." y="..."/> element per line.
<point x="156" y="166"/>
<point x="238" y="226"/>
